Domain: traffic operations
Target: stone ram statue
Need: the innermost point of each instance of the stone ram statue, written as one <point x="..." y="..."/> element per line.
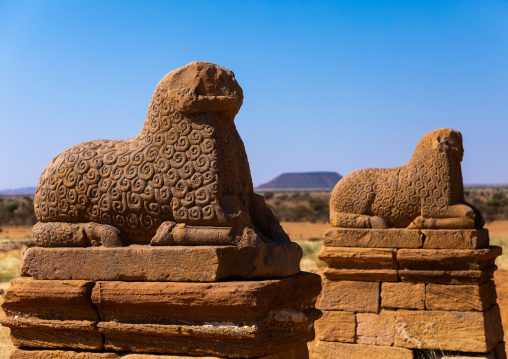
<point x="184" y="179"/>
<point x="425" y="193"/>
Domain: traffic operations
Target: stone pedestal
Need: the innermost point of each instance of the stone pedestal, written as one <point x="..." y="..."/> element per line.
<point x="388" y="293"/>
<point x="241" y="319"/>
<point x="157" y="246"/>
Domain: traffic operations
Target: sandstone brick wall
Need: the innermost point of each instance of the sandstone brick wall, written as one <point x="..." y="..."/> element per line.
<point x="388" y="293"/>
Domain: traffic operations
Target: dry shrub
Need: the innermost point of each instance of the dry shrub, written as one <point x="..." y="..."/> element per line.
<point x="17" y="211"/>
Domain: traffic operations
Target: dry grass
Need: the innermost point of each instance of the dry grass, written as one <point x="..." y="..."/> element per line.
<point x="498" y="228"/>
<point x="309" y="236"/>
<point x="310" y="261"/>
<point x="5" y="343"/>
<point x="8" y="233"/>
<point x="10" y="262"/>
<point x="498" y="231"/>
<point x="300" y="231"/>
<point x="9" y="270"/>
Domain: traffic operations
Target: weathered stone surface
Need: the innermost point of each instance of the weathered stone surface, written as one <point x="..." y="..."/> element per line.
<point x="403" y="295"/>
<point x="337" y="350"/>
<point x="425" y="193"/>
<point x="366" y="275"/>
<point x="373" y="238"/>
<point x="336" y="326"/>
<point x="449" y="330"/>
<point x="298" y="351"/>
<point x="171" y="302"/>
<point x="455" y="239"/>
<point x="451" y="259"/>
<point x="219" y="339"/>
<point x="460" y="297"/>
<point x="376" y="328"/>
<point x="24" y="353"/>
<point x="187" y="166"/>
<point x="359" y="258"/>
<point x="58" y="300"/>
<point x="447" y="276"/>
<point x="51" y="314"/>
<point x="351" y="296"/>
<point x="41" y="333"/>
<point x="148" y="263"/>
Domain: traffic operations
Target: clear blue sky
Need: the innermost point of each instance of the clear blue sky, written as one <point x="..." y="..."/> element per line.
<point x="328" y="85"/>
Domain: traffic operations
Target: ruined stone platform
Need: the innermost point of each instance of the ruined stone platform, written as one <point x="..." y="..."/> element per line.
<point x="390" y="292"/>
<point x="246" y="319"/>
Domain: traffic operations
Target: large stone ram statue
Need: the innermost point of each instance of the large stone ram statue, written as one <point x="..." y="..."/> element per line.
<point x="184" y="179"/>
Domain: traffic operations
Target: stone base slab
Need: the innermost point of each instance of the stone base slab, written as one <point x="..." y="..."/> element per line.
<point x="337" y="350"/>
<point x="359" y="258"/>
<point x="225" y="319"/>
<point x="148" y="263"/>
<point x="447" y="259"/>
<point x="366" y="275"/>
<point x="407" y="238"/>
<point x="373" y="238"/>
<point x="455" y="239"/>
<point x="298" y="351"/>
<point x="39" y="333"/>
<point x="447" y="276"/>
<point x="51" y="300"/>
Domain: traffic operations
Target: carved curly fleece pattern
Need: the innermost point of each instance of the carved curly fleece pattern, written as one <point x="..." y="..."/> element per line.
<point x="427" y="185"/>
<point x="170" y="171"/>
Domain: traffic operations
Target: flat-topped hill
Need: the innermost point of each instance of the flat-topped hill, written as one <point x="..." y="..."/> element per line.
<point x="302" y="181"/>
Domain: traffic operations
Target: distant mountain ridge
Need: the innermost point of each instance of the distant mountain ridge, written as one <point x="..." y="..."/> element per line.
<point x="18" y="191"/>
<point x="302" y="181"/>
<point x="286" y="181"/>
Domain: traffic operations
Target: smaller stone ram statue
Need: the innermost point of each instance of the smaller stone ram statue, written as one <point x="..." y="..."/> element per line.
<point x="425" y="193"/>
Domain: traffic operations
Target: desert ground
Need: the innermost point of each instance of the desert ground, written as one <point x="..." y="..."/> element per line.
<point x="306" y="234"/>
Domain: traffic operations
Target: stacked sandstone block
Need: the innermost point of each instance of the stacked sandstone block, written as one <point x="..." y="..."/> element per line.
<point x="410" y="267"/>
<point x="117" y="319"/>
<point x="389" y="292"/>
<point x="158" y="247"/>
